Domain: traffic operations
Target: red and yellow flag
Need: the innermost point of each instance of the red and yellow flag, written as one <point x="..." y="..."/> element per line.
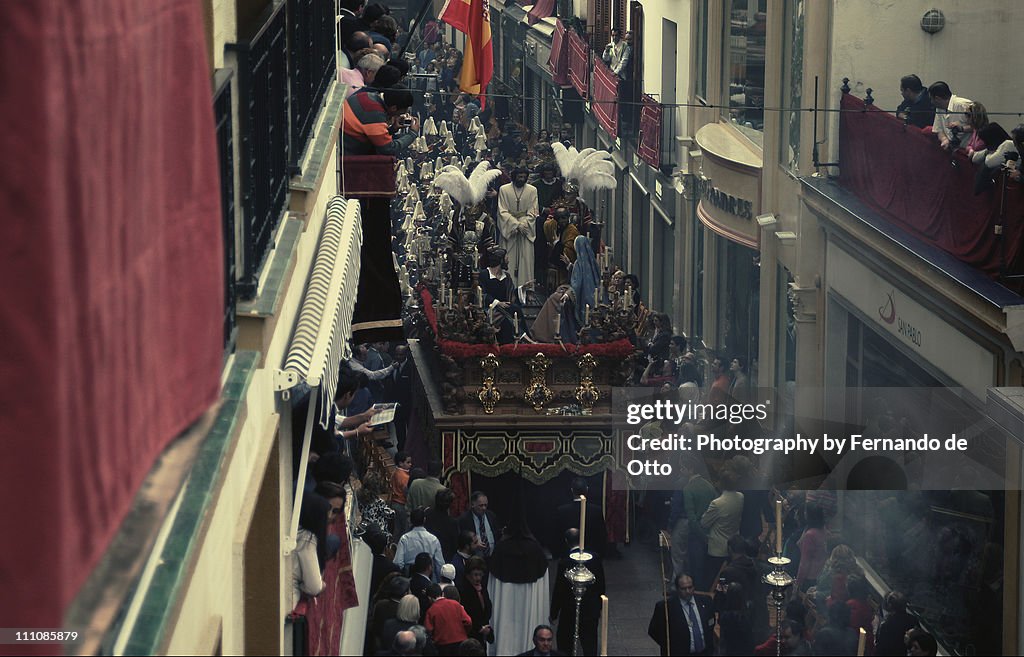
<point x="472" y="18"/>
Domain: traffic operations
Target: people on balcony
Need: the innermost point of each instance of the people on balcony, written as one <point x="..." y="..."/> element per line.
<point x="916" y="109"/>
<point x="950" y="124"/>
<point x="366" y="64"/>
<point x="617" y="53"/>
<point x="310" y="555"/>
<point x="356" y="42"/>
<point x="375" y="123"/>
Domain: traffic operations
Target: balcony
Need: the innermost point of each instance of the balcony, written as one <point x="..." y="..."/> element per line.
<point x="226" y="162"/>
<point x="897" y="179"/>
<point x="311" y="65"/>
<point x="262" y="61"/>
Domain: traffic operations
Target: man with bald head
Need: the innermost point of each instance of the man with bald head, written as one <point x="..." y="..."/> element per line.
<point x="404" y="643"/>
<point x="356" y="42"/>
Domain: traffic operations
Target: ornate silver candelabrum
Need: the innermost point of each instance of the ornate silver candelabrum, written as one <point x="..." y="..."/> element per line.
<point x="779" y="580"/>
<point x="580" y="578"/>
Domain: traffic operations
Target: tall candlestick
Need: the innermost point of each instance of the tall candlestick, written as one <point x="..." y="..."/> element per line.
<point x="778" y="527"/>
<point x="583" y="521"/>
<point x="861" y="642"/>
<point x="604" y="626"/>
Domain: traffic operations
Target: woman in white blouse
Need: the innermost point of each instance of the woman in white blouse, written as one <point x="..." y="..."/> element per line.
<point x="310" y="555"/>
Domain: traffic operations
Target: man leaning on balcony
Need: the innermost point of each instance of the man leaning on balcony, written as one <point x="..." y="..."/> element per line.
<point x="950" y="123"/>
<point x="379" y="123"/>
<point x="916" y="109"/>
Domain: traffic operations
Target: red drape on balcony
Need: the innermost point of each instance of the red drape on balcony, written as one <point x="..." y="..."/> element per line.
<point x="903" y="174"/>
<point x="111" y="270"/>
<point x="649" y="148"/>
<point x="542" y="9"/>
<point x="606" y="98"/>
<point x="558" y="60"/>
<point x="579" y="60"/>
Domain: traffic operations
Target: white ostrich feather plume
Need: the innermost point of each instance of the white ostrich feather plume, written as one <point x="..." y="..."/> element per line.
<point x="590" y="168"/>
<point x="467" y="191"/>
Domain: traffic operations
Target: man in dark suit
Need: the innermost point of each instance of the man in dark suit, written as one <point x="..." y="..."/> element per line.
<point x="422" y="576"/>
<point x="916" y="108"/>
<point x="568" y="516"/>
<point x="482" y="522"/>
<point x="398" y="388"/>
<point x="563" y="602"/>
<point x="691" y="622"/>
<point x="543" y="643"/>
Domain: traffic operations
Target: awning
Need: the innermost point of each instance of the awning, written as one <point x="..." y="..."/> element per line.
<point x="325" y="319"/>
<point x="606" y="98"/>
<point x="542" y="9"/>
<point x="579" y="69"/>
<point x="558" y="60"/>
<point x="649" y="148"/>
<point x="321" y="335"/>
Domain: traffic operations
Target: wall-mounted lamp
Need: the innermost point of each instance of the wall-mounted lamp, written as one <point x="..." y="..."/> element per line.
<point x="767" y="220"/>
<point x="787" y="237"/>
<point x="933" y="21"/>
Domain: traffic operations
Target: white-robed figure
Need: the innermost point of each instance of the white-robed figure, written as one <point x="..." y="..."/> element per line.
<point x="517" y="215"/>
<point x="518" y="587"/>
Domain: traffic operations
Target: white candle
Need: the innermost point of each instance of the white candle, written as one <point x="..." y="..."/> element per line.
<point x="861" y="642"/>
<point x="515" y="322"/>
<point x="583" y="521"/>
<point x="604" y="626"/>
<point x="558" y="326"/>
<point x="586" y="313"/>
<point x="451" y="298"/>
<point x="479" y="297"/>
<point x="778" y="527"/>
<point x="595" y="297"/>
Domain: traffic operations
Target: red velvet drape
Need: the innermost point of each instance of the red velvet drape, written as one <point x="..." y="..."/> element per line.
<point x="579" y="69"/>
<point x="903" y="174"/>
<point x="558" y="60"/>
<point x="606" y="98"/>
<point x="649" y="148"/>
<point x="111" y="268"/>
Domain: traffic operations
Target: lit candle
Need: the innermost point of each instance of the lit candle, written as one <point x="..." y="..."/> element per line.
<point x="861" y="642"/>
<point x="583" y="520"/>
<point x="778" y="527"/>
<point x="586" y="313"/>
<point x="604" y="626"/>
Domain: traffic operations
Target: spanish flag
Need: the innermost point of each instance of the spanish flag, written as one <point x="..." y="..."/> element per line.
<point x="472" y="18"/>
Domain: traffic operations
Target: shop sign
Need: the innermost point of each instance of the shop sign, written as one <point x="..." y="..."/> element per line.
<point x="895" y="313"/>
<point x="724" y="201"/>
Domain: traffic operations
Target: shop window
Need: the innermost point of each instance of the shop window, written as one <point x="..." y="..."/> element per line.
<point x="738" y="297"/>
<point x="743" y="47"/>
<point x="700" y="85"/>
